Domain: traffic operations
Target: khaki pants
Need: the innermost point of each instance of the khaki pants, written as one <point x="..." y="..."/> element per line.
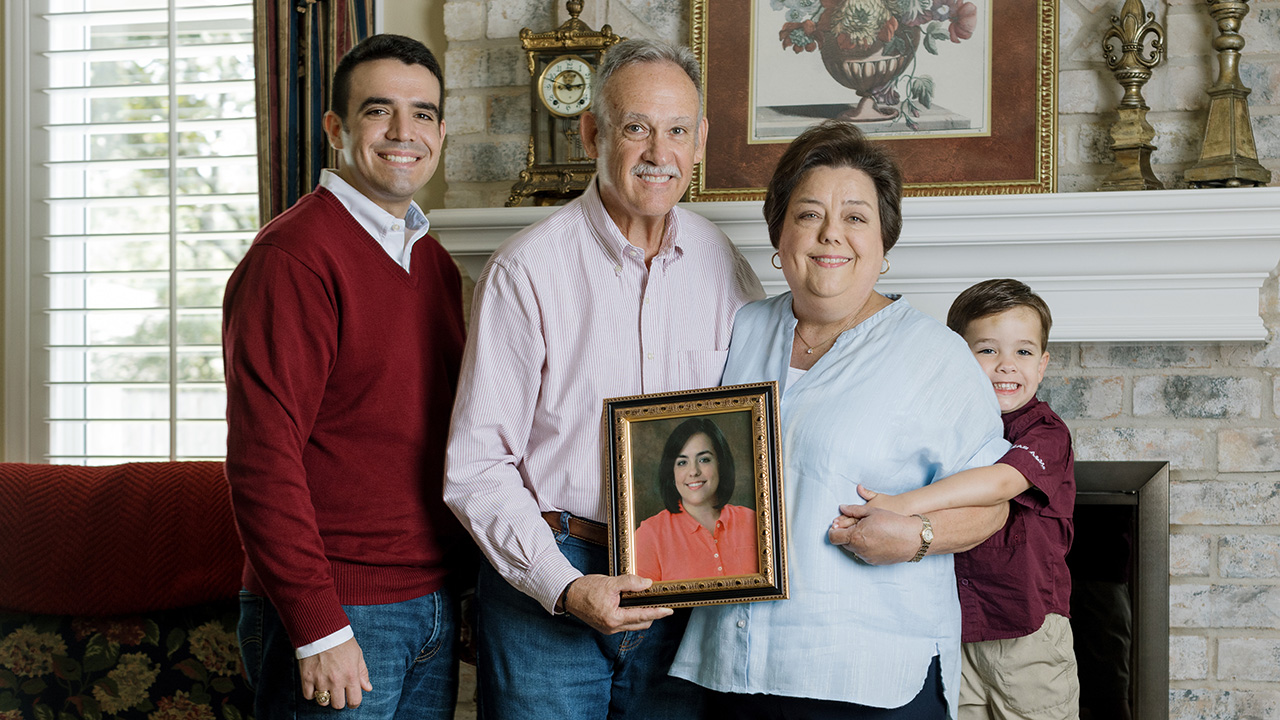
<point x="1026" y="677"/>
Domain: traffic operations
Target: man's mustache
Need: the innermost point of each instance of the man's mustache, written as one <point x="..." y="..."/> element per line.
<point x="647" y="169"/>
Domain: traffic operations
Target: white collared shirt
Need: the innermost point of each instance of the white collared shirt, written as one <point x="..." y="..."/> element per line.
<point x="396" y="235"/>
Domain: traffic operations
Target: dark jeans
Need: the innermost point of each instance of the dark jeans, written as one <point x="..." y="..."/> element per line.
<point x="409" y="648"/>
<point x="536" y="666"/>
<point x="929" y="704"/>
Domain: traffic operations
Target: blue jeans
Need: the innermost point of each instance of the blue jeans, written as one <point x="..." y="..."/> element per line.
<point x="409" y="648"/>
<point x="537" y="666"/>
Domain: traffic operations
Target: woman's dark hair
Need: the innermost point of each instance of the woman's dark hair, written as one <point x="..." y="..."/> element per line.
<point x="675" y="443"/>
<point x="380" y="47"/>
<point x="836" y="144"/>
<point x="995" y="296"/>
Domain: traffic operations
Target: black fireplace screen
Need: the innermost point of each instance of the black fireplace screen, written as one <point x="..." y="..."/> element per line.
<point x="1119" y="565"/>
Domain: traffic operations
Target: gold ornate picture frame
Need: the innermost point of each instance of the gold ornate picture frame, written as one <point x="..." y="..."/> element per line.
<point x="1009" y="149"/>
<point x="711" y="447"/>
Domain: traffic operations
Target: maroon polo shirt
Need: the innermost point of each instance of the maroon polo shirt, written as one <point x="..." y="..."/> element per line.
<point x="1009" y="583"/>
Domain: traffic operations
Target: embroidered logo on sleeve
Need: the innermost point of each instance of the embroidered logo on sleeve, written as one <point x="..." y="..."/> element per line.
<point x="1030" y="452"/>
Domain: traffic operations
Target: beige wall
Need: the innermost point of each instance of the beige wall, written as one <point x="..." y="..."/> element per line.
<point x="3" y="129"/>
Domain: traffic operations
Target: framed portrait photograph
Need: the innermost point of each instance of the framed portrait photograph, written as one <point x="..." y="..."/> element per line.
<point x="962" y="91"/>
<point x="695" y="490"/>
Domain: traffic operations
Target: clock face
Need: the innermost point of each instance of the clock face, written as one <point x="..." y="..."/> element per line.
<point x="565" y="86"/>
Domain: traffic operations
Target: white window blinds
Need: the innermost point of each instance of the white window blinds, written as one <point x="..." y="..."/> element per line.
<point x="144" y="186"/>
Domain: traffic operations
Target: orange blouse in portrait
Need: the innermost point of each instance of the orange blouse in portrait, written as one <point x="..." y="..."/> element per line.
<point x="674" y="546"/>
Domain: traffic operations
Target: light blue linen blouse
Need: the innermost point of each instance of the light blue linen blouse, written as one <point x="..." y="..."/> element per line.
<point x="897" y="403"/>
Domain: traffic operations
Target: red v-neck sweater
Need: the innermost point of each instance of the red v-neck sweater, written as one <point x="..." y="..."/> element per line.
<point x="341" y="371"/>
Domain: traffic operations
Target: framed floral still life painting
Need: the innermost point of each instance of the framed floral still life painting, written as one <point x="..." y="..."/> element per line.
<point x="962" y="91"/>
<point x="695" y="491"/>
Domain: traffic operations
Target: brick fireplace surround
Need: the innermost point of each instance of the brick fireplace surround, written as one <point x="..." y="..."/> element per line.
<point x="1166" y="348"/>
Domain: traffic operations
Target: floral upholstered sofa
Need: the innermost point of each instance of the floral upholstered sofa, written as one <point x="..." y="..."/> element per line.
<point x="118" y="590"/>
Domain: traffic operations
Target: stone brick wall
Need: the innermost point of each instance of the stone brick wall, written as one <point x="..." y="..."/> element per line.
<point x="1213" y="412"/>
<point x="1088" y="93"/>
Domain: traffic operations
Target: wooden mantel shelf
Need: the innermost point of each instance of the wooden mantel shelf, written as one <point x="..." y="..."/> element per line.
<point x="1172" y="265"/>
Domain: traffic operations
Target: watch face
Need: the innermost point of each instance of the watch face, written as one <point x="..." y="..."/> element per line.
<point x="565" y="86"/>
<point x="926" y="534"/>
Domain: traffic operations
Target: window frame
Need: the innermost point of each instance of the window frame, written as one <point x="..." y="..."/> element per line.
<point x="21" y="386"/>
<point x="26" y="358"/>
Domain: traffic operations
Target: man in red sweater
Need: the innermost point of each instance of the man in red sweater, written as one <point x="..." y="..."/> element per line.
<point x="342" y="336"/>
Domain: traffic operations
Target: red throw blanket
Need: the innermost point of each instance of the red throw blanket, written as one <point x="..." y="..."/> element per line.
<point x="119" y="539"/>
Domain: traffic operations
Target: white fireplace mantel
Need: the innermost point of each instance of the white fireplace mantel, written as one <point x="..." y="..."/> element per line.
<point x="1173" y="265"/>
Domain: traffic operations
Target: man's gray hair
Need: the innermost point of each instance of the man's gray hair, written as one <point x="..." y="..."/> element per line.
<point x="644" y="50"/>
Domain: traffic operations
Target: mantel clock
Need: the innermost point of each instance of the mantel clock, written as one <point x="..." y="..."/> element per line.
<point x="562" y="69"/>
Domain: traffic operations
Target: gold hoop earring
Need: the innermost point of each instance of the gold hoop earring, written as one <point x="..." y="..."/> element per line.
<point x="776" y="261"/>
<point x="885" y="267"/>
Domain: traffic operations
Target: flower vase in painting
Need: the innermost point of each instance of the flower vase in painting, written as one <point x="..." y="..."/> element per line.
<point x="870" y="46"/>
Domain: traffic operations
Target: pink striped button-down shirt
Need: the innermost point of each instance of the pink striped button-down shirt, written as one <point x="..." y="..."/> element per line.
<point x="566" y="315"/>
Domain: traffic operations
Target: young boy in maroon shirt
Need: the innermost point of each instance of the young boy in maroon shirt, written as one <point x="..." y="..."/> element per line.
<point x="1015" y="588"/>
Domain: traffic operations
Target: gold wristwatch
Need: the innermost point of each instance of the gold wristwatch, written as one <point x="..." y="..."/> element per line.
<point x="926" y="537"/>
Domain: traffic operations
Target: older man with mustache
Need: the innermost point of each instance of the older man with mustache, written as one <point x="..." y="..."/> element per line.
<point x="617" y="293"/>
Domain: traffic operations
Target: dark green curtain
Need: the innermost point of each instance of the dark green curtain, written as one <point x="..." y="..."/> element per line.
<point x="298" y="44"/>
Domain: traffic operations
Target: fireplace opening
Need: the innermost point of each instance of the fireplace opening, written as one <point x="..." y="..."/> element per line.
<point x="1119" y="564"/>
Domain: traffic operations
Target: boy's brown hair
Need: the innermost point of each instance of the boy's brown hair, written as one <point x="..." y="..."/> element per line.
<point x="995" y="296"/>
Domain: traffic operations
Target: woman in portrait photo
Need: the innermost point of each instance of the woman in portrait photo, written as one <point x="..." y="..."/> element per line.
<point x="699" y="534"/>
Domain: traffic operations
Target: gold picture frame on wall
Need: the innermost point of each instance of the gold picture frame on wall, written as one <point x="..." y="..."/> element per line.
<point x="695" y="490"/>
<point x="769" y="72"/>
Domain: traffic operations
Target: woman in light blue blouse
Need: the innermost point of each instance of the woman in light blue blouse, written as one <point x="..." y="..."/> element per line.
<point x="873" y="392"/>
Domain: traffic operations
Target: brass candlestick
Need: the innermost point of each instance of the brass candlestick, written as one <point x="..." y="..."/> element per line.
<point x="1131" y="135"/>
<point x="1229" y="158"/>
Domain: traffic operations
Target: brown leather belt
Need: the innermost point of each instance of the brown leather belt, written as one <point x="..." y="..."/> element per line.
<point x="583" y="529"/>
